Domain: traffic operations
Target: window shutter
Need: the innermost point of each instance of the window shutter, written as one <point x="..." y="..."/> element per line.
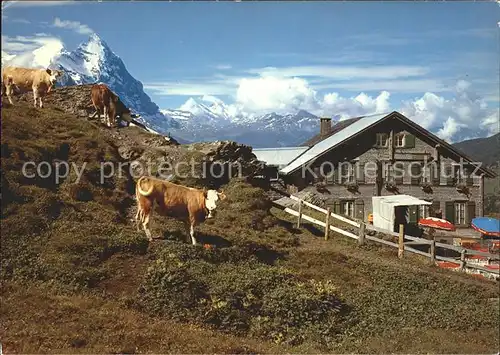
<point x="435" y="208"/>
<point x="317" y="172"/>
<point x="435" y="176"/>
<point x="450" y="211"/>
<point x="409" y="141"/>
<point x="360" y="173"/>
<point x="335" y="177"/>
<point x="336" y="207"/>
<point x="360" y="209"/>
<point x="398" y="173"/>
<point x="450" y="175"/>
<point x="416" y="173"/>
<point x="413" y="214"/>
<point x="471" y="211"/>
<point x="469" y="181"/>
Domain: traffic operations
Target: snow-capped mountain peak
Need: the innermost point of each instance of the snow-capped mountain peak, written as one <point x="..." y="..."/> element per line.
<point x="91" y="59"/>
<point x="91" y="62"/>
<point x="205" y="110"/>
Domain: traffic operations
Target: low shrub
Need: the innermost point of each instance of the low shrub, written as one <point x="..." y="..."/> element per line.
<point x="230" y="290"/>
<point x="245" y="216"/>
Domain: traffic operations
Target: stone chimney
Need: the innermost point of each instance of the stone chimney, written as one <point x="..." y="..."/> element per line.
<point x="325" y="126"/>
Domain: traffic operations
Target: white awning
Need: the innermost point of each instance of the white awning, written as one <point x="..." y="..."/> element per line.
<point x="400" y="200"/>
<point x="383" y="208"/>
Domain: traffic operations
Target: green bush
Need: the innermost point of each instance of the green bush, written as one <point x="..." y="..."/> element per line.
<point x="245" y="216"/>
<point x="230" y="290"/>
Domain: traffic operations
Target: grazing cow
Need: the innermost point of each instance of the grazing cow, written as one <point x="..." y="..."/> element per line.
<point x="107" y="102"/>
<point x="191" y="205"/>
<point x="41" y="81"/>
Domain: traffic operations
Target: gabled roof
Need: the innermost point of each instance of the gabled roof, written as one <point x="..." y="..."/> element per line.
<point x="360" y="125"/>
<point x="335" y="128"/>
<point x="331" y="142"/>
<point x="442" y="143"/>
<point x="278" y="156"/>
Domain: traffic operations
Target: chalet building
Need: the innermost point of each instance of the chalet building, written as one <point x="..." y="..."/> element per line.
<point x="355" y="159"/>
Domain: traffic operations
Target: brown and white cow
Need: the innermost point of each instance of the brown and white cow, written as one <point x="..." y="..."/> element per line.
<point x="41" y="81"/>
<point x="191" y="205"/>
<point x="107" y="102"/>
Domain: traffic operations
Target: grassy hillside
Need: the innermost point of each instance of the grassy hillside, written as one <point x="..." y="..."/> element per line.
<point x="77" y="277"/>
<point x="485" y="150"/>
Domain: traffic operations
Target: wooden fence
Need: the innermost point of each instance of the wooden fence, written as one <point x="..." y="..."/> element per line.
<point x="402" y="245"/>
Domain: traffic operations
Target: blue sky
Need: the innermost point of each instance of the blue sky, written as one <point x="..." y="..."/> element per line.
<point x="181" y="50"/>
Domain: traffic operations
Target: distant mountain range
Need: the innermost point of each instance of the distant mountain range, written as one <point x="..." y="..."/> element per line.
<point x="207" y="121"/>
<point x="485" y="150"/>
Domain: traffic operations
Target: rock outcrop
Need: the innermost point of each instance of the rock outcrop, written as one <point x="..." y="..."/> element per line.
<point x="196" y="164"/>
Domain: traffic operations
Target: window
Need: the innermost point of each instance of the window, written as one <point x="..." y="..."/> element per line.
<point x="382" y="139"/>
<point x="387" y="172"/>
<point x="346" y="172"/>
<point x="416" y="173"/>
<point x="464" y="175"/>
<point x="398" y="171"/>
<point x="399" y="140"/>
<point x="392" y="174"/>
<point x="423" y="211"/>
<point x="457" y="172"/>
<point x="460" y="213"/>
<point x="347" y="208"/>
<point x="432" y="173"/>
<point x="435" y="209"/>
<point x="451" y="174"/>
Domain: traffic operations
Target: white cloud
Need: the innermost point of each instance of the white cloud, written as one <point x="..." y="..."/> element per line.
<point x="17" y="20"/>
<point x="395" y="86"/>
<point x="6" y="57"/>
<point x="72" y="25"/>
<point x="20" y="44"/>
<point x="223" y="67"/>
<point x="277" y="94"/>
<point x="362" y="104"/>
<point x="25" y="3"/>
<point x="345" y="72"/>
<point x="30" y="51"/>
<point x="450" y="129"/>
<point x="491" y="123"/>
<point x="190" y="88"/>
<point x="456" y="117"/>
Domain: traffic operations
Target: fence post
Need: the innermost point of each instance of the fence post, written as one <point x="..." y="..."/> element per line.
<point x="327" y="223"/>
<point x="300" y="214"/>
<point x="401" y="248"/>
<point x="462" y="259"/>
<point x="433" y="250"/>
<point x="361" y="236"/>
